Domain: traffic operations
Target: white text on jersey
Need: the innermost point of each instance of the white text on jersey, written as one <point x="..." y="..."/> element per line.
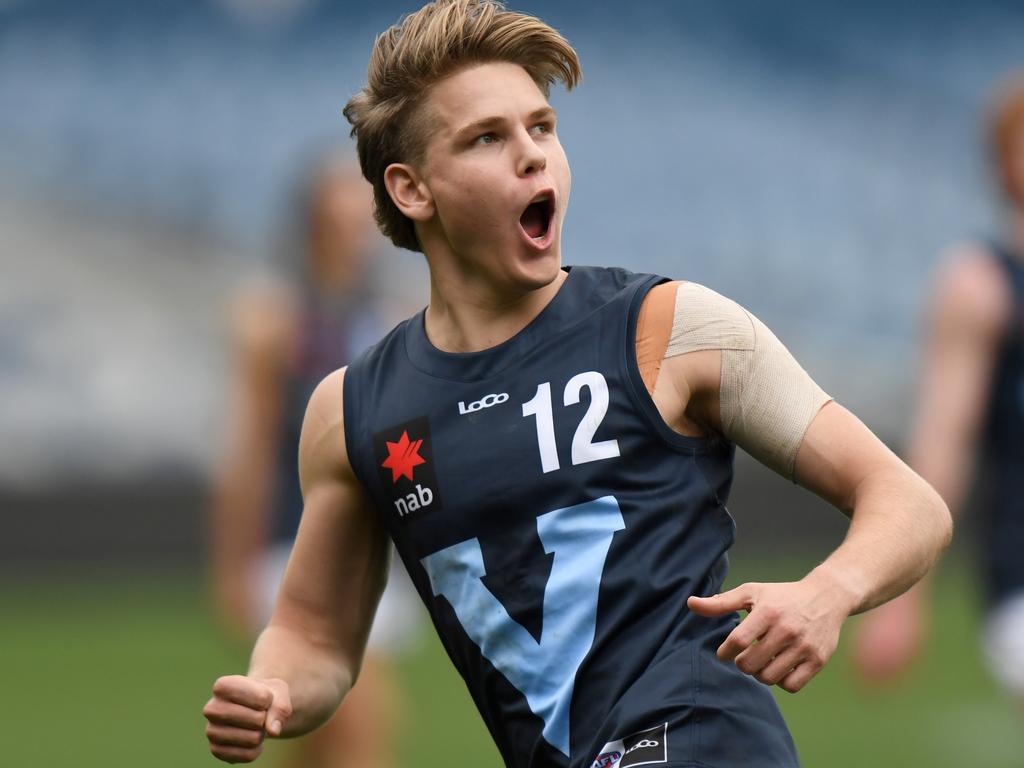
<point x="484" y="402"/>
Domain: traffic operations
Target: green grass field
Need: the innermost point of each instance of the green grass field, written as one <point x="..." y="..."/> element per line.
<point x="115" y="674"/>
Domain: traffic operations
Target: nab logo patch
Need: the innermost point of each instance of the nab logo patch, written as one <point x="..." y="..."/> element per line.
<point x="403" y="457"/>
<point x="405" y="465"/>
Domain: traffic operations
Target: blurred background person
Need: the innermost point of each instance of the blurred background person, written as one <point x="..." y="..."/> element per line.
<point x="289" y="332"/>
<point x="970" y="414"/>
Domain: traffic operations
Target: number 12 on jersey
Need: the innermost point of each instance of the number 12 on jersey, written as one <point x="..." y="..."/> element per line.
<point x="584" y="449"/>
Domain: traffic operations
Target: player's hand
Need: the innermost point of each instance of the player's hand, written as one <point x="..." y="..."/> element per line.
<point x="791" y="630"/>
<point x="242" y="711"/>
<point x="889" y="638"/>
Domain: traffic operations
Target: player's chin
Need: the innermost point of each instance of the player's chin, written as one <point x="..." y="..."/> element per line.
<point x="538" y="267"/>
<point x="537" y="270"/>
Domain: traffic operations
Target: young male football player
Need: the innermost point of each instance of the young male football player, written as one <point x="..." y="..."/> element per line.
<point x="551" y="452"/>
<point x="972" y="402"/>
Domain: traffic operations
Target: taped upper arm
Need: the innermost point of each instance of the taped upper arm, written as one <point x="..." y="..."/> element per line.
<point x="766" y="400"/>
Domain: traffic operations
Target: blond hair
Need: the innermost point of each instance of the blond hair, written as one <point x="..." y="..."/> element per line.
<point x="419" y="51"/>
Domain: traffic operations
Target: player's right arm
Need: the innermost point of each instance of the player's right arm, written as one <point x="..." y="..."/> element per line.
<point x="308" y="657"/>
<point x="966" y="320"/>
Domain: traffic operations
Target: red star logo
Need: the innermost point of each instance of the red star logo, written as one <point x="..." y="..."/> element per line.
<point x="403" y="456"/>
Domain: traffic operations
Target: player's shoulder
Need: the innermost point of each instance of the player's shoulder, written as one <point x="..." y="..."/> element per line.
<point x="971" y="287"/>
<point x="687" y="325"/>
<point x="697" y="310"/>
<point x="970" y="269"/>
<point x="322" y="444"/>
<point x="326" y="404"/>
<point x="691" y="290"/>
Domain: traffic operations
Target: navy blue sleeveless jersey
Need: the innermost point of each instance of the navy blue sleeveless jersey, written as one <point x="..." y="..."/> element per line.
<point x="1003" y="496"/>
<point x="555" y="526"/>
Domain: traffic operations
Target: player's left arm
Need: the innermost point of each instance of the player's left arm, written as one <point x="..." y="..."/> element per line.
<point x="758" y="396"/>
<point x="898" y="527"/>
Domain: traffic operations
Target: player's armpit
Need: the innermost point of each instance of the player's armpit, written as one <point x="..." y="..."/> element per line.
<point x="335" y="575"/>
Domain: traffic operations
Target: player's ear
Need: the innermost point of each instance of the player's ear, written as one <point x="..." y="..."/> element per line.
<point x="409" y="192"/>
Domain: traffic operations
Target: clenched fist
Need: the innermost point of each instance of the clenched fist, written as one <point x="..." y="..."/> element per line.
<point x="242" y="711"/>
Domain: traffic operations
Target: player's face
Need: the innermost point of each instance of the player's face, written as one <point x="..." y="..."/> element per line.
<point x="497" y="174"/>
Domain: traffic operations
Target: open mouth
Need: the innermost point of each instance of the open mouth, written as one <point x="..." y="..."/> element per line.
<point x="536" y="219"/>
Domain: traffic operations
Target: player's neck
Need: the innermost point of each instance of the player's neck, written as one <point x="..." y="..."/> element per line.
<point x="473" y="317"/>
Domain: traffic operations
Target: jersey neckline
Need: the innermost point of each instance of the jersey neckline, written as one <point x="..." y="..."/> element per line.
<point x="556" y="315"/>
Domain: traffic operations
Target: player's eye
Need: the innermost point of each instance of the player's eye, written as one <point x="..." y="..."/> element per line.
<point x="486" y="138"/>
<point x="542" y="128"/>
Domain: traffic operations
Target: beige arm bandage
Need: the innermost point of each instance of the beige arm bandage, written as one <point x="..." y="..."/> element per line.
<point x="768" y="401"/>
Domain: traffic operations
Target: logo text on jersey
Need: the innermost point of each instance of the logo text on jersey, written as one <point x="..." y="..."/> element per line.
<point x="405" y="466"/>
<point x="423" y="497"/>
<point x="486" y="401"/>
<point x="644" y="748"/>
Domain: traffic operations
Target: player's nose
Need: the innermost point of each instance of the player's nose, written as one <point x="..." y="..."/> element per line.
<point x="532" y="158"/>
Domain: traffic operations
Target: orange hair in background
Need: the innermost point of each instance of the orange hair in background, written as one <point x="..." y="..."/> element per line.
<point x="1006" y="138"/>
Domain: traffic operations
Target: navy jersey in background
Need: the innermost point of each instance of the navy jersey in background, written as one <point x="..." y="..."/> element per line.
<point x="1003" y="466"/>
